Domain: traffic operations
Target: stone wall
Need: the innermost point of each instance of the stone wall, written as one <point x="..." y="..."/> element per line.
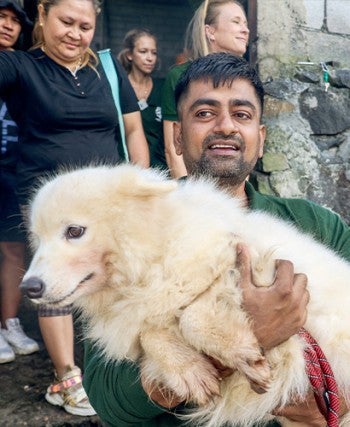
<point x="307" y="152"/>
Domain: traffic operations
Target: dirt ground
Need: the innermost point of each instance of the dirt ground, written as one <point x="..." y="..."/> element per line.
<point x="23" y="384"/>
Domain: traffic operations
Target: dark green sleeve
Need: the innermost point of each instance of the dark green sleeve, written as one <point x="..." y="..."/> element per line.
<point x="323" y="224"/>
<point x="116" y="394"/>
<point x="168" y="98"/>
<point x="337" y="234"/>
<point x="327" y="227"/>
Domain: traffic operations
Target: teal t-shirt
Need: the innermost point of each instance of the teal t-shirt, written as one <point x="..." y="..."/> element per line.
<point x="115" y="391"/>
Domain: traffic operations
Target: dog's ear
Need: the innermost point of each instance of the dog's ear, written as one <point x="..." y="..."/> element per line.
<point x="151" y="189"/>
<point x="134" y="181"/>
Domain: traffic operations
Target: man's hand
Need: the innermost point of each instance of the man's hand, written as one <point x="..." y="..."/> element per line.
<point x="307" y="412"/>
<point x="304" y="412"/>
<point x="278" y="311"/>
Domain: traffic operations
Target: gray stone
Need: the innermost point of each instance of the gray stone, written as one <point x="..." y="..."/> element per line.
<point x="340" y="78"/>
<point x="275" y="107"/>
<point x="327" y="112"/>
<point x="274" y="162"/>
<point x="327" y="142"/>
<point x="286" y="184"/>
<point x="307" y="76"/>
<point x="284" y="88"/>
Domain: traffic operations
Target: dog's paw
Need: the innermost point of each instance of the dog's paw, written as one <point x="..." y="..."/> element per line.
<point x="264" y="268"/>
<point x="258" y="373"/>
<point x="197" y="382"/>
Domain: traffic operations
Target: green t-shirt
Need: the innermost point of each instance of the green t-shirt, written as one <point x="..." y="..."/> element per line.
<point x="169" y="111"/>
<point x="115" y="391"/>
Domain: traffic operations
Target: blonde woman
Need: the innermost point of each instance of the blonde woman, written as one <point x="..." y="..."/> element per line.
<point x="217" y="26"/>
<point x="60" y="98"/>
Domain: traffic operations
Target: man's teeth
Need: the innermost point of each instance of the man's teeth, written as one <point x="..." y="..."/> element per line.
<point x="223" y="146"/>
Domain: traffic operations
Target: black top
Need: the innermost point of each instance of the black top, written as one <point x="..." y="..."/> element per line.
<point x="152" y="122"/>
<point x="63" y="120"/>
<point x="8" y="140"/>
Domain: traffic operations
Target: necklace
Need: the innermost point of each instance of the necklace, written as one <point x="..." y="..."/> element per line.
<point x="73" y="69"/>
<point x="142" y="91"/>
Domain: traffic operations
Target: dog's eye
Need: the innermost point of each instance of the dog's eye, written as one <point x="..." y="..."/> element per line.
<point x="75" y="231"/>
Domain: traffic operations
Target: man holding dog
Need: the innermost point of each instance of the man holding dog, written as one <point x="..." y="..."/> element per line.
<point x="219" y="133"/>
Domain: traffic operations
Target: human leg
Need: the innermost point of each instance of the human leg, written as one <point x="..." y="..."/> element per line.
<point x="57" y="330"/>
<point x="12" y="265"/>
<point x="58" y="336"/>
<point x="11" y="272"/>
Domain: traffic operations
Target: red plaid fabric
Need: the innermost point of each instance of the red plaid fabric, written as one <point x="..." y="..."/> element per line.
<point x="322" y="380"/>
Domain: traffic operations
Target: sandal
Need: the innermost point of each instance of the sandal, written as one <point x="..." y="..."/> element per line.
<point x="69" y="393"/>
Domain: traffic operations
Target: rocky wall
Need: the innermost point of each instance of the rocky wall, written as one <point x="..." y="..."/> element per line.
<point x="307" y="151"/>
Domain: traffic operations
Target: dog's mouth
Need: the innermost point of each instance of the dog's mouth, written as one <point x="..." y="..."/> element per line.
<point x="59" y="301"/>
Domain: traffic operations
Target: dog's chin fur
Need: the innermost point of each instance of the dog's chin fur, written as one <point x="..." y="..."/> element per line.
<point x="166" y="293"/>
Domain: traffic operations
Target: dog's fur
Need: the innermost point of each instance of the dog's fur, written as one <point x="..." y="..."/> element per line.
<point x="153" y="272"/>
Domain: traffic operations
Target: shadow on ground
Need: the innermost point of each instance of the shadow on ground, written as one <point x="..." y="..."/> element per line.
<point x="23" y="385"/>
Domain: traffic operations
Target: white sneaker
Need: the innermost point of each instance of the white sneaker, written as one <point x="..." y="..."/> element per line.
<point x="69" y="393"/>
<point x="18" y="340"/>
<point x="6" y="352"/>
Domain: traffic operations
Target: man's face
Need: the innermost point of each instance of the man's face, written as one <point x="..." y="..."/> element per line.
<point x="219" y="132"/>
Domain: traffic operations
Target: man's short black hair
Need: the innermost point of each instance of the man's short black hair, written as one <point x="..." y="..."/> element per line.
<point x="220" y="69"/>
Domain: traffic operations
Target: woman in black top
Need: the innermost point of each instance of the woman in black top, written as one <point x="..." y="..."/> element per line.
<point x="60" y="98"/>
<point x="13" y="340"/>
<point x="139" y="57"/>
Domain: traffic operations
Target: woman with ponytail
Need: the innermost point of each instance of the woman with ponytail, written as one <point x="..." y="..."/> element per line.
<point x="139" y="57"/>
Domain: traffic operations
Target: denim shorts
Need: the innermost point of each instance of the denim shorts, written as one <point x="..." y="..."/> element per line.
<point x="11" y="223"/>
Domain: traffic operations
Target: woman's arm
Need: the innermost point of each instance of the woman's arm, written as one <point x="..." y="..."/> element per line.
<point x="174" y="161"/>
<point x="136" y="140"/>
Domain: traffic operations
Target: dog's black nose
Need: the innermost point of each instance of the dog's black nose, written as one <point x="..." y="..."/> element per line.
<point x="33" y="287"/>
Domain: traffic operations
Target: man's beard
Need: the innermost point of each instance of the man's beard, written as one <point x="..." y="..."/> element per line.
<point x="232" y="170"/>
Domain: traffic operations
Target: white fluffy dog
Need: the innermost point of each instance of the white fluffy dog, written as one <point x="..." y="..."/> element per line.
<point x="151" y="264"/>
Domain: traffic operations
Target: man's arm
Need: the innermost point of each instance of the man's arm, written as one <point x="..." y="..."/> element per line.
<point x="277" y="312"/>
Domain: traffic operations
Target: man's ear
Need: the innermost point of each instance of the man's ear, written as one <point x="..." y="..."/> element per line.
<point x="262" y="137"/>
<point x="178" y="138"/>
